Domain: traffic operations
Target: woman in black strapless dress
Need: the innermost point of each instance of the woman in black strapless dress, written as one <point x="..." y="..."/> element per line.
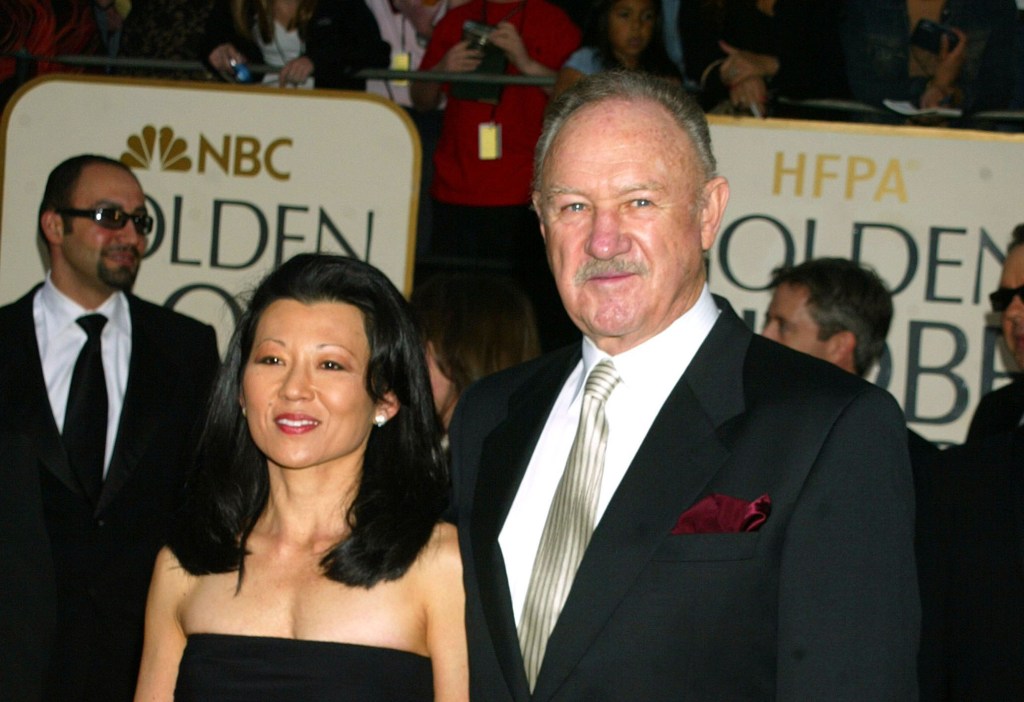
<point x="310" y="562"/>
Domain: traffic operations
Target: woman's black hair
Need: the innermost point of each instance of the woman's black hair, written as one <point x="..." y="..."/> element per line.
<point x="404" y="482"/>
<point x="654" y="59"/>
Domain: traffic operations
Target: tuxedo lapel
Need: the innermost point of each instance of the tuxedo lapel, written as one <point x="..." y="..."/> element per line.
<point x="1015" y="470"/>
<point x="680" y="455"/>
<point x="140" y="412"/>
<point x="504" y="458"/>
<point x="26" y="405"/>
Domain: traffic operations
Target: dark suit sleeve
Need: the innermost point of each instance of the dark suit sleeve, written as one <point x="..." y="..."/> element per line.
<point x="848" y="604"/>
<point x="28" y="607"/>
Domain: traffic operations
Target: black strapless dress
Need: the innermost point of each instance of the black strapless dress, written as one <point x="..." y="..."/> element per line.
<point x="228" y="668"/>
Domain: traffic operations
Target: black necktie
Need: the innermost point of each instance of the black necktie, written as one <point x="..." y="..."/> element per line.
<point x="85" y="422"/>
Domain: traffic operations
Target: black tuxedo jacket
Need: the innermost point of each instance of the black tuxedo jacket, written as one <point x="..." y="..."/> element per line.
<point x="819" y="604"/>
<point x="85" y="612"/>
<point x="971" y="536"/>
<point x="999" y="411"/>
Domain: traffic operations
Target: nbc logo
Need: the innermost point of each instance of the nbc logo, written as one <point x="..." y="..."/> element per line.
<point x="145" y="150"/>
<point x="241" y="156"/>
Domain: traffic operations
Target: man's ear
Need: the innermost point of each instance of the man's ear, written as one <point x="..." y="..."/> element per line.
<point x="52" y="225"/>
<point x="841" y="349"/>
<point x="715" y="197"/>
<point x="538" y="202"/>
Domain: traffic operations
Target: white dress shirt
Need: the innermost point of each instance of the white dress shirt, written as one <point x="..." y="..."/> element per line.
<point x="649" y="372"/>
<point x="61" y="339"/>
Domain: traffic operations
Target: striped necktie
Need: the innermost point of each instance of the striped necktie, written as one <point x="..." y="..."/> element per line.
<point x="570" y="521"/>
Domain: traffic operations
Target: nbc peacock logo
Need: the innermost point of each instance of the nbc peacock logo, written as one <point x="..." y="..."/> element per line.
<point x="157" y="148"/>
<point x="241" y="156"/>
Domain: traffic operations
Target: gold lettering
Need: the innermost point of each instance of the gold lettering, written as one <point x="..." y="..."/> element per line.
<point x="207" y="149"/>
<point x="797" y="172"/>
<point x="892" y="182"/>
<point x="858" y="168"/>
<point x="247" y="156"/>
<point x="820" y="174"/>
<point x="268" y="156"/>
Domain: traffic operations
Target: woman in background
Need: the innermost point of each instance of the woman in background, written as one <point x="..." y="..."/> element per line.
<point x="884" y="62"/>
<point x="746" y="53"/>
<point x="317" y="43"/>
<point x="310" y="562"/>
<point x="620" y="34"/>
<point x="471" y="325"/>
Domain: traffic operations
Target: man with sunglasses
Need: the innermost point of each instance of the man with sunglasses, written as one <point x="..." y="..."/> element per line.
<point x="970" y="562"/>
<point x="1002" y="410"/>
<point x="100" y="397"/>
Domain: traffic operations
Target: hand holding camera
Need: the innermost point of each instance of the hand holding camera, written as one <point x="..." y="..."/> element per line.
<point x="506" y="37"/>
<point x="949" y="44"/>
<point x="464" y="56"/>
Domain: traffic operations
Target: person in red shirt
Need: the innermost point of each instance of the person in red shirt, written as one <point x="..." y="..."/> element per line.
<point x="483" y="161"/>
<point x="482" y="189"/>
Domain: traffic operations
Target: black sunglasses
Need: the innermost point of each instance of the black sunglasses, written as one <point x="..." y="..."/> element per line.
<point x="112" y="218"/>
<point x="1002" y="298"/>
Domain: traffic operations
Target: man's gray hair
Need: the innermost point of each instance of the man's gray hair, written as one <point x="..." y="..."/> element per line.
<point x="630" y="86"/>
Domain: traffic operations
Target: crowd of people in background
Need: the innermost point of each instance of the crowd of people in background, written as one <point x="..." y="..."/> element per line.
<point x="742" y="56"/>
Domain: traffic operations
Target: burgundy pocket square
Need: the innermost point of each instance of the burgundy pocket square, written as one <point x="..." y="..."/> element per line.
<point x="722" y="514"/>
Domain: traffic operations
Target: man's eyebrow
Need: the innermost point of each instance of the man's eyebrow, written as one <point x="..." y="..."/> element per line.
<point x="555" y="190"/>
<point x="117" y="205"/>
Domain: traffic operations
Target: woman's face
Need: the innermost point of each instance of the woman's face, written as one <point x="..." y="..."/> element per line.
<point x="442" y="388"/>
<point x="630" y="27"/>
<point x="304" y="385"/>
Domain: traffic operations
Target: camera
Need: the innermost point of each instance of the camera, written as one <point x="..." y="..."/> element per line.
<point x="928" y="36"/>
<point x="476" y="33"/>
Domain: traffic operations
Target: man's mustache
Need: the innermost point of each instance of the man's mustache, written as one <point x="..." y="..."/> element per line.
<point x="599" y="267"/>
<point x="118" y="249"/>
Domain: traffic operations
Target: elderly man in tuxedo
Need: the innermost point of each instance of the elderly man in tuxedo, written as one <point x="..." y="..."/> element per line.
<point x="674" y="509"/>
<point x="100" y="395"/>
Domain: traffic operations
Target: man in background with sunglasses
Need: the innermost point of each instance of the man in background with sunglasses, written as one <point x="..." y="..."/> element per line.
<point x="969" y="551"/>
<point x="100" y="396"/>
<point x="1003" y="410"/>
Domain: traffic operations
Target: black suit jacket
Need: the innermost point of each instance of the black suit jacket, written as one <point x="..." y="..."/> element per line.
<point x="819" y="604"/>
<point x="971" y="536"/>
<point x="86" y="611"/>
<point x="998" y="412"/>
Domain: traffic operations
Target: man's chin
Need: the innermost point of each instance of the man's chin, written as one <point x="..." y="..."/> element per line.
<point x="120" y="278"/>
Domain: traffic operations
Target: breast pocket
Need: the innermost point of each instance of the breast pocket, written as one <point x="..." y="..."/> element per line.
<point x="708" y="547"/>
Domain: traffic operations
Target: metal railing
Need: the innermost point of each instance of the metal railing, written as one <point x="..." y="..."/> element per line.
<point x="24" y="62"/>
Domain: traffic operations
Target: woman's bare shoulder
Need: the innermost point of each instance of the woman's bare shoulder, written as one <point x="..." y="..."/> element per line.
<point x="171" y="581"/>
<point x="440" y="557"/>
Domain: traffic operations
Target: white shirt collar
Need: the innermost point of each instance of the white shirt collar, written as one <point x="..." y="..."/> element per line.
<point x="62" y="311"/>
<point x="665" y="355"/>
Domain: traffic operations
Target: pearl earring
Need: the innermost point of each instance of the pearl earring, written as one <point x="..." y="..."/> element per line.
<point x="380" y="420"/>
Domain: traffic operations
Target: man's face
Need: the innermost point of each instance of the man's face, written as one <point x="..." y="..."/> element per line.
<point x="624" y="232"/>
<point x="790" y="323"/>
<point x="92" y="261"/>
<point x="1013" y="316"/>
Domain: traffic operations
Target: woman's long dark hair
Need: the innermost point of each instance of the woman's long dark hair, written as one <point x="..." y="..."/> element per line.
<point x="403" y="487"/>
<point x="654" y="58"/>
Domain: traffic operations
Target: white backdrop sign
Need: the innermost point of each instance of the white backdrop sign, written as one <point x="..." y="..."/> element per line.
<point x="931" y="210"/>
<point x="238" y="180"/>
<point x="241" y="178"/>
